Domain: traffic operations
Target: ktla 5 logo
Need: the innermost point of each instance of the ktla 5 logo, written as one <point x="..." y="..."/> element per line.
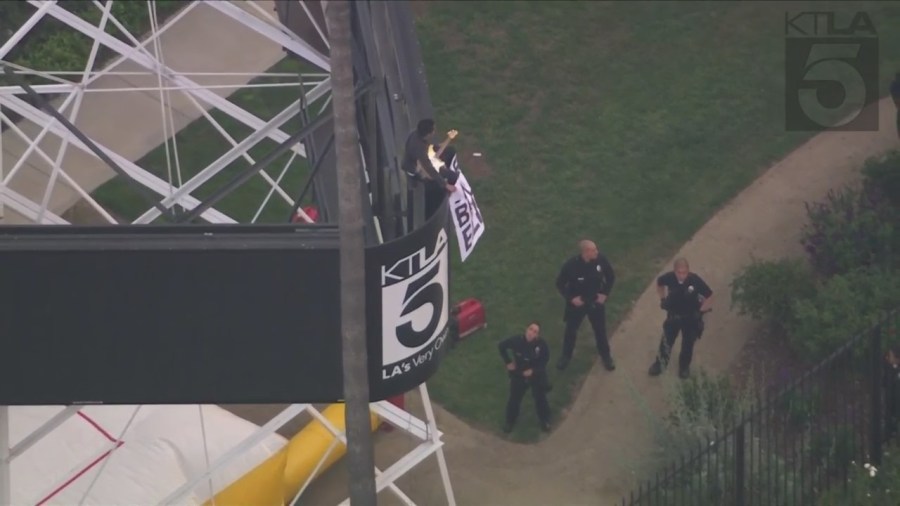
<point x="414" y="303"/>
<point x="831" y="71"/>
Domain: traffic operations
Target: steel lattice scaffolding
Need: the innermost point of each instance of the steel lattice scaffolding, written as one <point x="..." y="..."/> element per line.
<point x="68" y="132"/>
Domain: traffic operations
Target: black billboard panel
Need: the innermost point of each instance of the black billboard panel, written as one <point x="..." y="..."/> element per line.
<point x="205" y="324"/>
<point x="220" y="315"/>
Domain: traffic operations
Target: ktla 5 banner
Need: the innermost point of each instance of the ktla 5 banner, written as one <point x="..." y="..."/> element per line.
<point x="408" y="307"/>
<point x="467" y="219"/>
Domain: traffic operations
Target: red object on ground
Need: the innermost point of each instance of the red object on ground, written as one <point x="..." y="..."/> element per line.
<point x="310" y="211"/>
<point x="398" y="400"/>
<point x="471" y="317"/>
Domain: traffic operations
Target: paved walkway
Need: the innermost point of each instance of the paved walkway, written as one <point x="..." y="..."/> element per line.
<point x="130" y="123"/>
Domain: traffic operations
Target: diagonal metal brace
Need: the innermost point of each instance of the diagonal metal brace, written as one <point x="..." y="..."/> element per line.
<point x="169" y="214"/>
<point x="270" y="158"/>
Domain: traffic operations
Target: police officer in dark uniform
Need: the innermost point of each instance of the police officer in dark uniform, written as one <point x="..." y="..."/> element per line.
<point x="585" y="282"/>
<point x="420" y="170"/>
<point x="685" y="297"/>
<point x="527" y="367"/>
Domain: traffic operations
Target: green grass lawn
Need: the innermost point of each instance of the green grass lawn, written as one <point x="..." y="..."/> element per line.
<point x="629" y="123"/>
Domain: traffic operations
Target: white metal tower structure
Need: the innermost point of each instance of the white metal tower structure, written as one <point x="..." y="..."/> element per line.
<point x="161" y="121"/>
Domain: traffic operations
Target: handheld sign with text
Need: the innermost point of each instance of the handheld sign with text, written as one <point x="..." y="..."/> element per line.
<point x="467" y="218"/>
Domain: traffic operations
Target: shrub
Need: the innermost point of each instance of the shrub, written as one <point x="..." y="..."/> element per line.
<point x="846" y="305"/>
<point x="704" y="409"/>
<point x="865" y="486"/>
<point x="885" y="175"/>
<point x="853" y="227"/>
<point x="801" y="407"/>
<point x="766" y="290"/>
<point x="703" y="404"/>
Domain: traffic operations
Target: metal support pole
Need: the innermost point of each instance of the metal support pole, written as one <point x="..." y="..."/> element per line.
<point x="298" y="202"/>
<point x="432" y="430"/>
<point x="310" y="146"/>
<point x="46" y="428"/>
<point x="376" y="174"/>
<point x="3" y="188"/>
<point x="5" y="482"/>
<point x="360" y="451"/>
<point x="739" y="441"/>
<point x="875" y="442"/>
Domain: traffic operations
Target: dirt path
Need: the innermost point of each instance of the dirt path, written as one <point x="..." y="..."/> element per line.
<point x="591" y="457"/>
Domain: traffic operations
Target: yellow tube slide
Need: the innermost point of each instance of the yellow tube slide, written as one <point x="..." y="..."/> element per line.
<point x="276" y="481"/>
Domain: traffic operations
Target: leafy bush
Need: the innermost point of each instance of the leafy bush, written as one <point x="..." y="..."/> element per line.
<point x="801" y="407"/>
<point x="885" y="175"/>
<point x="703" y="409"/>
<point x="767" y="290"/>
<point x="846" y="305"/>
<point x="706" y="403"/>
<point x="831" y="445"/>
<point x="867" y="487"/>
<point x="853" y="227"/>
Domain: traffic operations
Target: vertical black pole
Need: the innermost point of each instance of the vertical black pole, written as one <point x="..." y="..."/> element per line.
<point x="846" y="427"/>
<point x="767" y="436"/>
<point x="376" y="174"/>
<point x="739" y="465"/>
<point x="751" y="472"/>
<point x="701" y="456"/>
<point x="877" y="375"/>
<point x="656" y="490"/>
<point x="808" y="394"/>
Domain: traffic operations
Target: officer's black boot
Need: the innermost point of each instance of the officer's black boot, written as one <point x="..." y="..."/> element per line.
<point x="545" y="426"/>
<point x="684" y="372"/>
<point x="656" y="369"/>
<point x="608" y="362"/>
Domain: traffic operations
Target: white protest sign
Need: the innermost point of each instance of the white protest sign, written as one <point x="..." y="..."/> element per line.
<point x="467" y="219"/>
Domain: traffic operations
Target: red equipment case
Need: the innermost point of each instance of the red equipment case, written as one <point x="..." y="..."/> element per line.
<point x="471" y="317"/>
<point x="310" y="211"/>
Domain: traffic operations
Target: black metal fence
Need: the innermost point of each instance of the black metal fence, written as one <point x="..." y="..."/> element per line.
<point x="793" y="444"/>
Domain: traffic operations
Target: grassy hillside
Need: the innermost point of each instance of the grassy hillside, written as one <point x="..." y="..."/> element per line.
<point x="629" y="123"/>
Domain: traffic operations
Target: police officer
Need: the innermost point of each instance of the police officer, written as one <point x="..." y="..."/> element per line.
<point x="585" y="282"/>
<point x="685" y="297"/>
<point x="527" y="367"/>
